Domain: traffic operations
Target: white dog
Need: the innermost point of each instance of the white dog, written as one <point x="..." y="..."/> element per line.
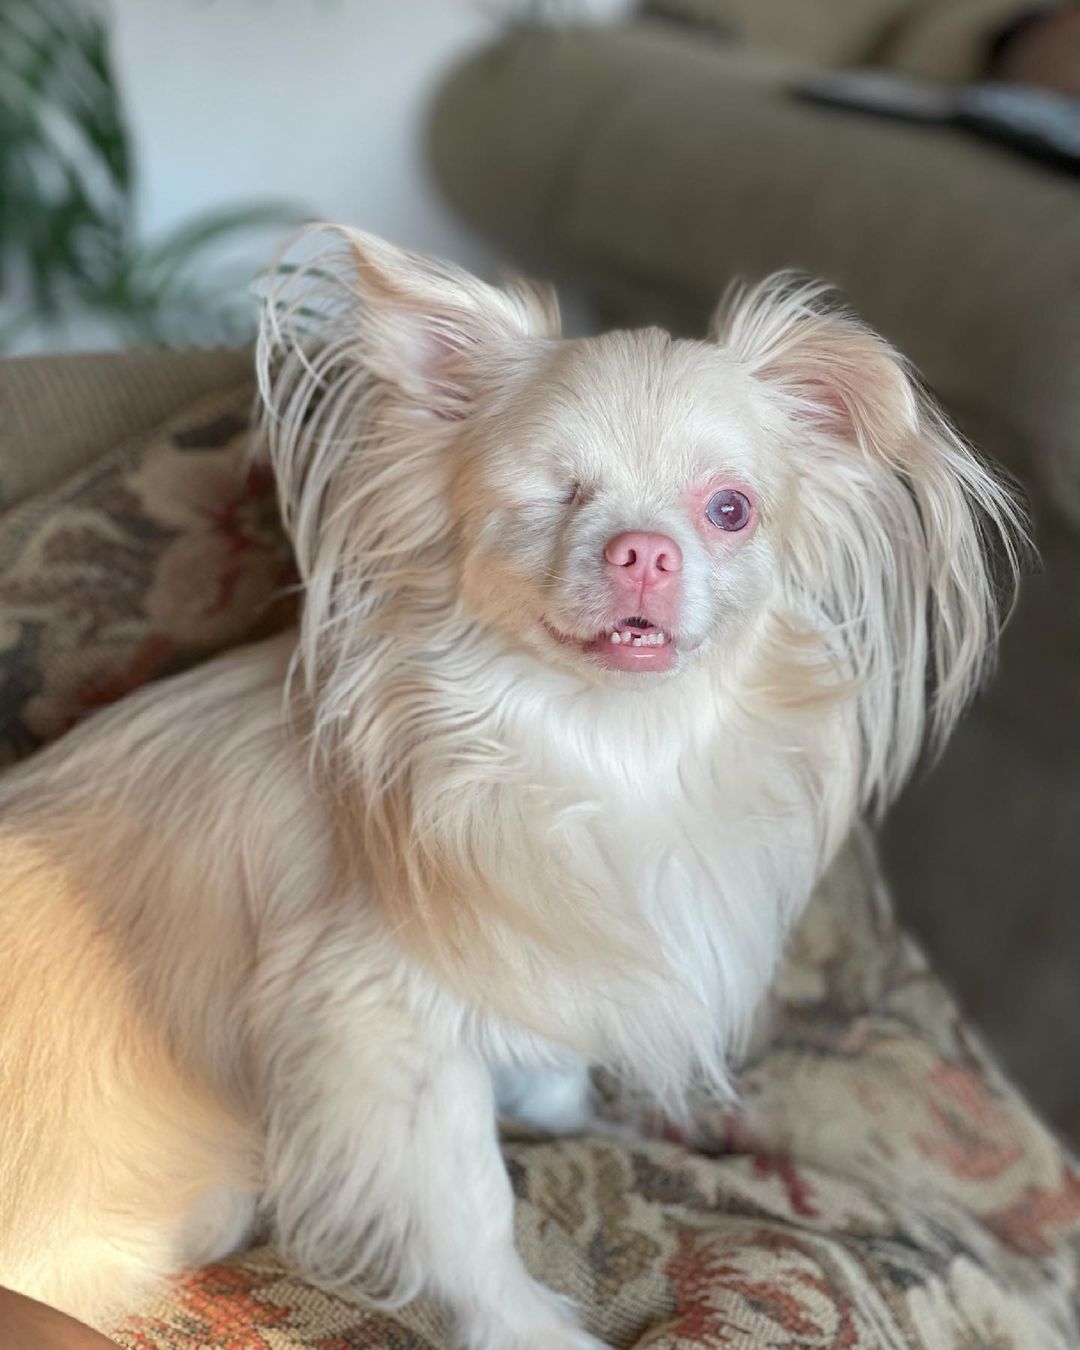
<point x="606" y="643"/>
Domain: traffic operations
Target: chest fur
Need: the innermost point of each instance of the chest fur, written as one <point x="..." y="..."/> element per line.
<point x="683" y="872"/>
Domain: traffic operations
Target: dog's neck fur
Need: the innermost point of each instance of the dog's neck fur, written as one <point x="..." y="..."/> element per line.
<point x="527" y="821"/>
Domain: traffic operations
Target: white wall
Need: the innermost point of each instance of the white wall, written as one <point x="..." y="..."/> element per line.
<point x="316" y="101"/>
<point x="320" y="101"/>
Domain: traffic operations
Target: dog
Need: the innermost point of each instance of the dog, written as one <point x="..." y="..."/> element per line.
<point x="605" y="645"/>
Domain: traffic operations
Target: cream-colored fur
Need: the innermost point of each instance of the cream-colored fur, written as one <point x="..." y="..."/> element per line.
<point x="270" y="928"/>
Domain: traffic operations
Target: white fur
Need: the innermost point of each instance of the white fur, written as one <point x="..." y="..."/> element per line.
<point x="269" y="928"/>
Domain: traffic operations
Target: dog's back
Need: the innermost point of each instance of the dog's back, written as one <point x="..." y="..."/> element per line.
<point x="124" y="1153"/>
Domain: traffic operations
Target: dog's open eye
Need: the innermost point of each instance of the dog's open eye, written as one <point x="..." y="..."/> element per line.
<point x="728" y="509"/>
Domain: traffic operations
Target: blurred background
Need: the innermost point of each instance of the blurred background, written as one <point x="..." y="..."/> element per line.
<point x="154" y="153"/>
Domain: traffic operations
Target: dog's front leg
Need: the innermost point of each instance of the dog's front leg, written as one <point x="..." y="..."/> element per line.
<point x="384" y="1172"/>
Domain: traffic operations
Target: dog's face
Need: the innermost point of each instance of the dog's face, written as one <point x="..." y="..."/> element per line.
<point x="621" y="500"/>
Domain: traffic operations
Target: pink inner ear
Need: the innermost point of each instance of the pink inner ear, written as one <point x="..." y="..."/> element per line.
<point x="435" y="358"/>
<point x="441" y="346"/>
<point x="451" y="402"/>
<point x="833" y="404"/>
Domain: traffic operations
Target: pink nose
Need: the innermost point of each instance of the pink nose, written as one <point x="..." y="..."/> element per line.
<point x="643" y="561"/>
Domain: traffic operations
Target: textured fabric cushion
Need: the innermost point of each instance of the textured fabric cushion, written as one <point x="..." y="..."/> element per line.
<point x="881" y="1184"/>
<point x="159" y="553"/>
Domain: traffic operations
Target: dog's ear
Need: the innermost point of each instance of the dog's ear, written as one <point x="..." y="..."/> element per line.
<point x="427" y="318"/>
<point x="903" y="545"/>
<point x="413" y="322"/>
<point x="835" y="375"/>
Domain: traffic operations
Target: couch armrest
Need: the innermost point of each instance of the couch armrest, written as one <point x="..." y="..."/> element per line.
<point x="59" y="412"/>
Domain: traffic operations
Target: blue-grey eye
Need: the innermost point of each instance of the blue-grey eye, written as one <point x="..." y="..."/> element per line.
<point x="728" y="509"/>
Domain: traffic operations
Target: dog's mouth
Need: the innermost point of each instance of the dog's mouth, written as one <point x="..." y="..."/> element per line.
<point x="635" y="644"/>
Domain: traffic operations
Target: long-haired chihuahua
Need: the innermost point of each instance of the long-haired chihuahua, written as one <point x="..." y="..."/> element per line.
<point x="605" y="645"/>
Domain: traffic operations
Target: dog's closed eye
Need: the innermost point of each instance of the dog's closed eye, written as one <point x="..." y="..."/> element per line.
<point x="577" y="494"/>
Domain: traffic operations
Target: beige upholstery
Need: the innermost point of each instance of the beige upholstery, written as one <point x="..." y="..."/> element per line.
<point x="58" y="413"/>
<point x="950" y="41"/>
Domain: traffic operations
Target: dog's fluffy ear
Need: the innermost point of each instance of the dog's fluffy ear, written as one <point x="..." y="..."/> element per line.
<point x="836" y="376"/>
<point x="426" y="319"/>
<point x="410" y="321"/>
<point x="905" y="546"/>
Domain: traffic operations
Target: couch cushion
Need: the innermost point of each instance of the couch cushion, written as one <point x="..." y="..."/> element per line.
<point x="158" y="553"/>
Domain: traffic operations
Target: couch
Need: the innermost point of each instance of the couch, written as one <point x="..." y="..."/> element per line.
<point x="880" y="1184"/>
<point x="654" y="161"/>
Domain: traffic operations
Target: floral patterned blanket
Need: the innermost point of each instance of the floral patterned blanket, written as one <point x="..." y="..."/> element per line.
<point x="881" y="1185"/>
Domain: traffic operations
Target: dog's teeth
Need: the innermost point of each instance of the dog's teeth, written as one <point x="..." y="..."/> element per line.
<point x="628" y="638"/>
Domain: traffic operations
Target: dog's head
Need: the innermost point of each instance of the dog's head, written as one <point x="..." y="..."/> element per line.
<point x="629" y="507"/>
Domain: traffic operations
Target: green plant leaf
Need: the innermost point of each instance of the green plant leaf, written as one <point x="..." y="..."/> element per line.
<point x="67" y="206"/>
